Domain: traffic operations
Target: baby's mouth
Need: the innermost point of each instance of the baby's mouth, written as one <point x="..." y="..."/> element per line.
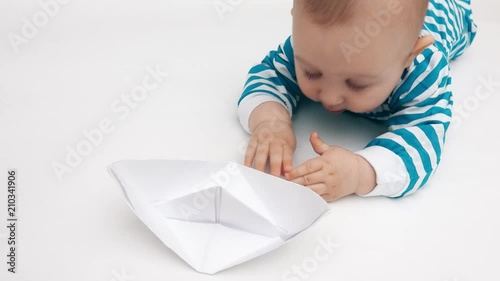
<point x="336" y="111"/>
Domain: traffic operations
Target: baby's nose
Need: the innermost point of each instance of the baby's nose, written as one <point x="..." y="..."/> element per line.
<point x="332" y="100"/>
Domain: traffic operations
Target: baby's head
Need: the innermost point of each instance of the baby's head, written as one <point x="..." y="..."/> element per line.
<point x="350" y="54"/>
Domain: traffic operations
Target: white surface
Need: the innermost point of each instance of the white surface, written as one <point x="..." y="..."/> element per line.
<point x="215" y="215"/>
<point x="65" y="79"/>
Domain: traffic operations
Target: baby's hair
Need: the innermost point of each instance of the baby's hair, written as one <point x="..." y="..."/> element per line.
<point x="330" y="12"/>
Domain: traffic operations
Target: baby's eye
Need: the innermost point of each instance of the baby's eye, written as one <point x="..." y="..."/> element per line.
<point x="312" y="76"/>
<point x="355" y="87"/>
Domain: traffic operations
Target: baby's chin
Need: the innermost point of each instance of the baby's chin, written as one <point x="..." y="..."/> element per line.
<point x="358" y="111"/>
<point x="363" y="110"/>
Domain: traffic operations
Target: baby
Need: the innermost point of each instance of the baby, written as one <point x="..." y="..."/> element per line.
<point x="386" y="60"/>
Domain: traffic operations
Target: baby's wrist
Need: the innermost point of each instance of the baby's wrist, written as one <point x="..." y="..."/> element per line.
<point x="270" y="113"/>
<point x="367" y="177"/>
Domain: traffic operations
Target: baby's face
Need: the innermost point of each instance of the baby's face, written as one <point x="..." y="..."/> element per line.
<point x="336" y="67"/>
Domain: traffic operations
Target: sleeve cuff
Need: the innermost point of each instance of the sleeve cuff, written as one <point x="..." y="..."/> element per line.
<point x="392" y="176"/>
<point x="249" y="103"/>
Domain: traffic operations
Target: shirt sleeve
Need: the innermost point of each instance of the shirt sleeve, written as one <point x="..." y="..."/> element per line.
<point x="421" y="110"/>
<point x="273" y="79"/>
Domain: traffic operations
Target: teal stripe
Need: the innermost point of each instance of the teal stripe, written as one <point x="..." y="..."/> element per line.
<point x="427" y="82"/>
<point x="434" y="139"/>
<point x="414" y="142"/>
<point x="411" y="77"/>
<point x="401" y="152"/>
<point x="431" y="101"/>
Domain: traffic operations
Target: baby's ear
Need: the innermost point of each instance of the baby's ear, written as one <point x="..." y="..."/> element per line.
<point x="421" y="44"/>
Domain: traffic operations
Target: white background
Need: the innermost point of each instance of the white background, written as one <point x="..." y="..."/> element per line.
<point x="65" y="78"/>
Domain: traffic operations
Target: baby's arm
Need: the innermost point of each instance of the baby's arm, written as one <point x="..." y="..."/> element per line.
<point x="273" y="79"/>
<point x="269" y="99"/>
<point x="407" y="156"/>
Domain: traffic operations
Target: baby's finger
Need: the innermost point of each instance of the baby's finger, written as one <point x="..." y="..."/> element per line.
<point x="250" y="153"/>
<point x="276" y="157"/>
<point x="261" y="157"/>
<point x="327" y="197"/>
<point x="311" y="179"/>
<point x="321" y="189"/>
<point x="306" y="168"/>
<point x="330" y="197"/>
<point x="287" y="159"/>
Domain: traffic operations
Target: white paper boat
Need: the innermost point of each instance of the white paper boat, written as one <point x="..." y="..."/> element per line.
<point x="215" y="215"/>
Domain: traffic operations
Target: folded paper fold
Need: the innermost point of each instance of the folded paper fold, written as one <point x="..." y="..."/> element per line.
<point x="215" y="215"/>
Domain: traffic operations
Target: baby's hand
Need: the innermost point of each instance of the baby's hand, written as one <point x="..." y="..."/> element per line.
<point x="335" y="173"/>
<point x="273" y="140"/>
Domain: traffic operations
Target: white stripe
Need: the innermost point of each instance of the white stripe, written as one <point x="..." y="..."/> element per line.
<point x="283" y="55"/>
<point x="426" y="143"/>
<point x="440" y="27"/>
<point x="444" y="103"/>
<point x="437" y="117"/>
<point x="440" y="132"/>
<point x="283" y="70"/>
<point x="268" y="73"/>
<point x="266" y="82"/>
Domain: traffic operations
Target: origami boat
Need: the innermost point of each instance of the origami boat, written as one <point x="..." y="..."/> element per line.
<point x="215" y="215"/>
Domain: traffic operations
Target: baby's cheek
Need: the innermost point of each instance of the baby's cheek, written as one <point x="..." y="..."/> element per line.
<point x="367" y="102"/>
<point x="369" y="107"/>
<point x="361" y="107"/>
<point x="307" y="88"/>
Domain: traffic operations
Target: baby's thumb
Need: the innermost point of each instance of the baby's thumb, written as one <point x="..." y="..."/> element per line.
<point x="318" y="145"/>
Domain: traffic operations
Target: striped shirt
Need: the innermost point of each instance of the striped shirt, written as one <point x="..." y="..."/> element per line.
<point x="418" y="112"/>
